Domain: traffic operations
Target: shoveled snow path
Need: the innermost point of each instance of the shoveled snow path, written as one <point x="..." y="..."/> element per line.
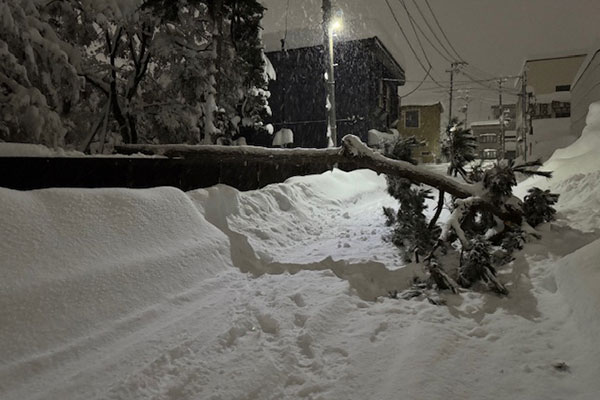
<point x="306" y="335"/>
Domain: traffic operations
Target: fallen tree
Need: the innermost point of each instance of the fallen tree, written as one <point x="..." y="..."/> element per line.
<point x="488" y="199"/>
<point x="353" y="154"/>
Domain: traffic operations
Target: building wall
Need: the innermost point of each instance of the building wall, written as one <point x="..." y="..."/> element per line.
<point x="429" y="130"/>
<point x="545" y="75"/>
<point x="480" y="132"/>
<point x="362" y="78"/>
<point x="585" y="91"/>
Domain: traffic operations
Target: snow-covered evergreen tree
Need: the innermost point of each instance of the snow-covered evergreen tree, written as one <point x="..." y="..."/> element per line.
<point x="39" y="84"/>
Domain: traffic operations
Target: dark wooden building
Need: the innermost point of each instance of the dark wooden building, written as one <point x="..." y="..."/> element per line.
<point x="367" y="78"/>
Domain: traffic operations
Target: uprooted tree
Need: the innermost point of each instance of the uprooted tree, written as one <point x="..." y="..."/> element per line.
<point x="484" y="212"/>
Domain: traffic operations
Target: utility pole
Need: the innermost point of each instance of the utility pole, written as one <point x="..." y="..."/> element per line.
<point x="501" y="118"/>
<point x="329" y="67"/>
<point x="524" y="107"/>
<point x="453" y="68"/>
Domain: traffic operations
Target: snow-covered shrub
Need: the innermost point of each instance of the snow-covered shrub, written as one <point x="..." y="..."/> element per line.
<point x="390" y="216"/>
<point x="477" y="266"/>
<point x="537" y="206"/>
<point x="411" y="230"/>
<point x="499" y="181"/>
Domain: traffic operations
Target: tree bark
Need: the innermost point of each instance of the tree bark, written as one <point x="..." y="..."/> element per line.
<point x="353" y="154"/>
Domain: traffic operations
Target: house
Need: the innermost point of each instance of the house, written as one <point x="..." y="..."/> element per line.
<point x="487" y="134"/>
<point x="367" y="77"/>
<point x="548" y="93"/>
<point x="424" y="121"/>
<point x="585" y="90"/>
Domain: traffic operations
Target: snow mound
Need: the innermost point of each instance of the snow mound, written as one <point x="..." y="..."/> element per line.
<point x="550" y="134"/>
<point x="578" y="279"/>
<point x="35" y="150"/>
<point x="73" y="260"/>
<point x="305" y="224"/>
<point x="576" y="174"/>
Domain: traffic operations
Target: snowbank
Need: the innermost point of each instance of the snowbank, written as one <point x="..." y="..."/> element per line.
<point x="34" y="150"/>
<point x="576" y="176"/>
<point x="578" y="279"/>
<point x="74" y="261"/>
<point x="548" y="135"/>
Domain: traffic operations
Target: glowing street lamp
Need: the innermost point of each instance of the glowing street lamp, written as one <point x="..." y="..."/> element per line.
<point x="334" y="25"/>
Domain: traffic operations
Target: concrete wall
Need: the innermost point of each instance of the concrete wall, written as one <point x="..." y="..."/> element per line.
<point x="585" y="90"/>
<point x="545" y="75"/>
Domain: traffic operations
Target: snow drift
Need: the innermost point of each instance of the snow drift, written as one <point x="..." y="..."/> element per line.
<point x="220" y="294"/>
<point x="576" y="173"/>
<point x="76" y="260"/>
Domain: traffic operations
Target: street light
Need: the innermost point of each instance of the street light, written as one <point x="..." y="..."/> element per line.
<point x="335" y="25"/>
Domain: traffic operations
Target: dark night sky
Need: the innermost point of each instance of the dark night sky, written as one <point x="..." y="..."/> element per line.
<point x="493" y="36"/>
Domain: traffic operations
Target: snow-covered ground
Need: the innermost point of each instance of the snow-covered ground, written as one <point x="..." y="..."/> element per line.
<point x="270" y="294"/>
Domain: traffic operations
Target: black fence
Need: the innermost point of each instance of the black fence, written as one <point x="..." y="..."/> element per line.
<point x="27" y="173"/>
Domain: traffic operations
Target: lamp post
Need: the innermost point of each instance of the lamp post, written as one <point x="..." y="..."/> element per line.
<point x="330" y="25"/>
<point x="336" y="24"/>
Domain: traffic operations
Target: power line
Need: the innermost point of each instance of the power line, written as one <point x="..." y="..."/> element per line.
<point x="412" y="24"/>
<point x="433" y="31"/>
<point x="441" y="30"/>
<point x="418" y="86"/>
<point x="411" y="19"/>
<point x="428" y="72"/>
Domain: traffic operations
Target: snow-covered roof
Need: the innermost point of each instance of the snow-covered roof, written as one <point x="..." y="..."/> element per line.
<point x="421" y="103"/>
<point x="486" y="123"/>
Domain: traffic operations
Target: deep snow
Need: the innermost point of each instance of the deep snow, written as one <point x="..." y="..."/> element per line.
<point x="269" y="294"/>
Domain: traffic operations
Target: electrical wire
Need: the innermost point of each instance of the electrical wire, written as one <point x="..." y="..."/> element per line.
<point x="418" y="86"/>
<point x="428" y="72"/>
<point x="441" y="30"/>
<point x="433" y="31"/>
<point x="414" y="22"/>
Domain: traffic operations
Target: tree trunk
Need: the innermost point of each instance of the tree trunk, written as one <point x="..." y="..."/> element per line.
<point x="353" y="154"/>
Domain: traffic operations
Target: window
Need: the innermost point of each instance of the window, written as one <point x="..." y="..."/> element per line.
<point x="411" y="119"/>
<point x="563" y="88"/>
<point x="488" y="138"/>
<point x="488" y="153"/>
<point x="561" y="109"/>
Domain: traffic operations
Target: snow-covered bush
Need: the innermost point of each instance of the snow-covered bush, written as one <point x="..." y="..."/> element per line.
<point x="477" y="266"/>
<point x="537" y="206"/>
<point x="411" y="230"/>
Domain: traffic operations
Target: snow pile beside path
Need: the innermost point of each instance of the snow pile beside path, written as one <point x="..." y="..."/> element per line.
<point x="35" y="150"/>
<point x="576" y="176"/>
<point x="550" y="134"/>
<point x="74" y="260"/>
<point x="578" y="279"/>
<point x="307" y="219"/>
